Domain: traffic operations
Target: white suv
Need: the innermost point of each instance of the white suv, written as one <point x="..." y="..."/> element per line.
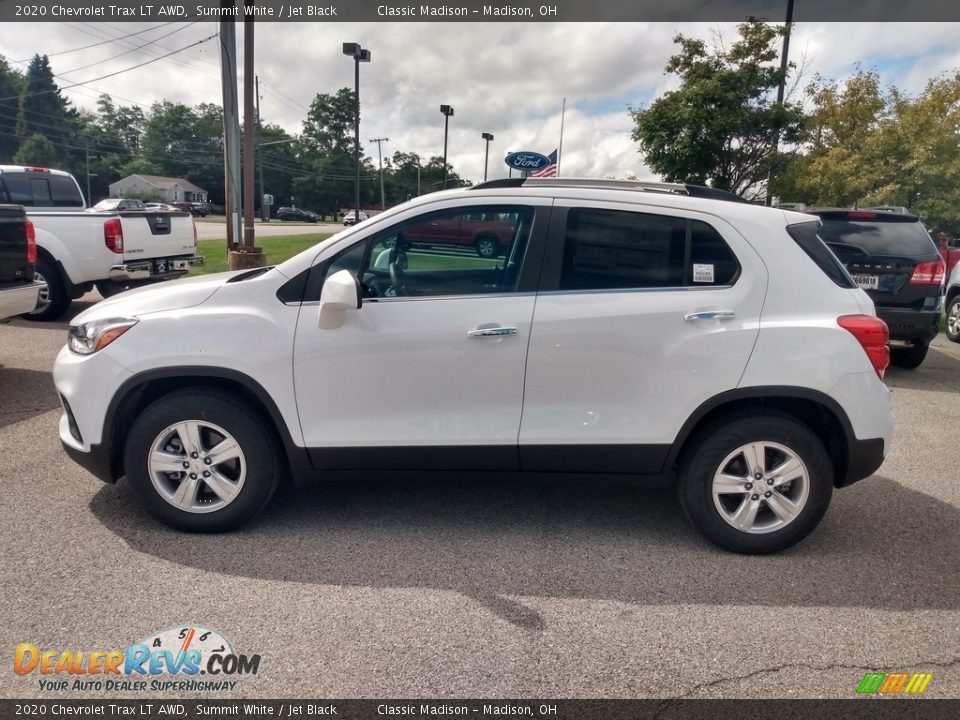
<point x="630" y="331"/>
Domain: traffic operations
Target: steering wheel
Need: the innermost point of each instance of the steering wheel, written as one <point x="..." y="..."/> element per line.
<point x="398" y="261"/>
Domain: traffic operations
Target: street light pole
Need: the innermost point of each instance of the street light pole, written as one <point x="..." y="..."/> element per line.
<point x="359" y="55"/>
<point x="486" y="155"/>
<point x="447" y="112"/>
<point x="379" y="141"/>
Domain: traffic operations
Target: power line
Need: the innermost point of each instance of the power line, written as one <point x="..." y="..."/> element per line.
<point x="113" y="74"/>
<point x="126" y="52"/>
<point x="104" y="42"/>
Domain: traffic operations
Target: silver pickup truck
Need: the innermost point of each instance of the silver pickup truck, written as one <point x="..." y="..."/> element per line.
<point x="78" y="248"/>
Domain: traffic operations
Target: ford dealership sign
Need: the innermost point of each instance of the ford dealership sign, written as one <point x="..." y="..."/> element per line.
<point x="526" y="160"/>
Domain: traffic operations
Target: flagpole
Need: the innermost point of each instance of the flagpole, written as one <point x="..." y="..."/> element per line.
<point x="563" y="112"/>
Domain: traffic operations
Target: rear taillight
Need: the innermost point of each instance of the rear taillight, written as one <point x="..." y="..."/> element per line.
<point x="31" y="243"/>
<point x="113" y="235"/>
<point x="874" y="337"/>
<point x="929" y="273"/>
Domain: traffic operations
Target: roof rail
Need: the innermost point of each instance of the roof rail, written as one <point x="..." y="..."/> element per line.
<point x="638" y="185"/>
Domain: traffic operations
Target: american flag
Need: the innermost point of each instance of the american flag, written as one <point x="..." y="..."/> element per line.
<point x="548" y="171"/>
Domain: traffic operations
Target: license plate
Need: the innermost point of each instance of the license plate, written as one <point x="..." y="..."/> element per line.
<point x="867" y="282"/>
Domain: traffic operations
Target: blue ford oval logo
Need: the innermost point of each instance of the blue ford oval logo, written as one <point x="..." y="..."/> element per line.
<point x="526" y="160"/>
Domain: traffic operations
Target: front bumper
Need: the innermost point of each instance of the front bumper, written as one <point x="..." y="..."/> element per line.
<point x="162" y="269"/>
<point x="85" y="384"/>
<point x="911" y="326"/>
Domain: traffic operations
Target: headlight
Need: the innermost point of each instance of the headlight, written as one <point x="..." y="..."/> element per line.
<point x="95" y="335"/>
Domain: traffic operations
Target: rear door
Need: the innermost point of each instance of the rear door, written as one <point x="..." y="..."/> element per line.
<point x="641" y="317"/>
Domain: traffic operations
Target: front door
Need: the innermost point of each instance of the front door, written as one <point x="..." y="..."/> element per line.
<point x="429" y="372"/>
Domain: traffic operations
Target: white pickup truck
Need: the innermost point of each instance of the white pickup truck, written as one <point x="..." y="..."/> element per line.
<point x="78" y="248"/>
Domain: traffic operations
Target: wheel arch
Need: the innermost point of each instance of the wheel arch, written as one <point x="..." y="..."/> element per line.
<point x="140" y="390"/>
<point x="818" y="411"/>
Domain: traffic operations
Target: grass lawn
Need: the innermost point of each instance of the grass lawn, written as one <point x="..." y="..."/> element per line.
<point x="277" y="250"/>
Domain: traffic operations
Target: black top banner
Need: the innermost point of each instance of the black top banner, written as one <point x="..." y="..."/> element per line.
<point x="475" y="11"/>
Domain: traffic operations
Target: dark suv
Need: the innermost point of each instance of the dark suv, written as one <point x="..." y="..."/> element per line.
<point x="893" y="258"/>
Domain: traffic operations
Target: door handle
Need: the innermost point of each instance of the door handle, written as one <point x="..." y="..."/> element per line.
<point x="492" y="332"/>
<point x="710" y="315"/>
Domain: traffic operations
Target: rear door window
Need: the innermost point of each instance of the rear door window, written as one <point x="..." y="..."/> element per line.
<point x="17" y="185"/>
<point x="65" y="192"/>
<point x="615" y="249"/>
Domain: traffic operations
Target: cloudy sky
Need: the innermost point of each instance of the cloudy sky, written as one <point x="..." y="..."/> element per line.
<point x="502" y="78"/>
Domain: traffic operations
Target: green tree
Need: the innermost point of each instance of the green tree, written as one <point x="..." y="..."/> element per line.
<point x="186" y="142"/>
<point x="328" y="127"/>
<point x="44" y="111"/>
<point x="11" y="85"/>
<point x="720" y="127"/>
<point x="838" y="164"/>
<point x="36" y="150"/>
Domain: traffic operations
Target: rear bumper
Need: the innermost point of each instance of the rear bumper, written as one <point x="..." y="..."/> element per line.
<point x="18" y="299"/>
<point x="148" y="269"/>
<point x="913" y="326"/>
<point x="865" y="457"/>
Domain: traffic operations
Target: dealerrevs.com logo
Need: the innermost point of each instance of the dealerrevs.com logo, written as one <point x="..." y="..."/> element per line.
<point x="197" y="658"/>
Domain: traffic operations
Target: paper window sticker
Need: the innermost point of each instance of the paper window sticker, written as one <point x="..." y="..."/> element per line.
<point x="702" y="273"/>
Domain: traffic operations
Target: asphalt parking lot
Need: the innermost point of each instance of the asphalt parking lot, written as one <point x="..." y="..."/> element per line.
<point x="487" y="588"/>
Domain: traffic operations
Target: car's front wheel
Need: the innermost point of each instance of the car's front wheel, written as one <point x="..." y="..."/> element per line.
<point x="953" y="320"/>
<point x="756" y="483"/>
<point x="201" y="461"/>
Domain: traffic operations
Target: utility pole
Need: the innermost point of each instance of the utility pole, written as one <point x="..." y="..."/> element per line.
<point x="784" y="61"/>
<point x="359" y="55"/>
<point x="379" y="141"/>
<point x="231" y="123"/>
<point x="264" y="209"/>
<point x="447" y="111"/>
<point x="486" y="155"/>
<point x="249" y="129"/>
<point x="87" y="149"/>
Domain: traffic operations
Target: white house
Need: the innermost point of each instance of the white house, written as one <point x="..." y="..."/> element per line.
<point x="164" y="188"/>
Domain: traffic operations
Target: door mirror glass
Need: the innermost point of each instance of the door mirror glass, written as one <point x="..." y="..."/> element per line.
<point x="341" y="292"/>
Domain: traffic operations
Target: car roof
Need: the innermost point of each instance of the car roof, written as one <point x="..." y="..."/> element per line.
<point x="32" y="168"/>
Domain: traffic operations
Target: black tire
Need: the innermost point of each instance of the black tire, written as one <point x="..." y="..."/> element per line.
<point x="109" y="288"/>
<point x="953" y="319"/>
<point x="487" y="246"/>
<point x="710" y="448"/>
<point x="909" y="358"/>
<point x="251" y="434"/>
<point x="55" y="301"/>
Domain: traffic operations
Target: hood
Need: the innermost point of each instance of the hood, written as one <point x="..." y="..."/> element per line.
<point x="159" y="297"/>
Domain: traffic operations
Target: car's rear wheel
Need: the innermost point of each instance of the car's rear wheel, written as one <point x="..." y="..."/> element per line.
<point x="756" y="483"/>
<point x="909" y="357"/>
<point x="953" y="319"/>
<point x="201" y="461"/>
<point x="53" y="300"/>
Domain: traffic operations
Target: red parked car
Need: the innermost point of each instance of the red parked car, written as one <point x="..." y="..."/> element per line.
<point x="488" y="234"/>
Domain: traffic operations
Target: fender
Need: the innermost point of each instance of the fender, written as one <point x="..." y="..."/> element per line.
<point x="298" y="461"/>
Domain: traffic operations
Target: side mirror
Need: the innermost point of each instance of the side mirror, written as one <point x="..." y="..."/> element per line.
<point x="341" y="292"/>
